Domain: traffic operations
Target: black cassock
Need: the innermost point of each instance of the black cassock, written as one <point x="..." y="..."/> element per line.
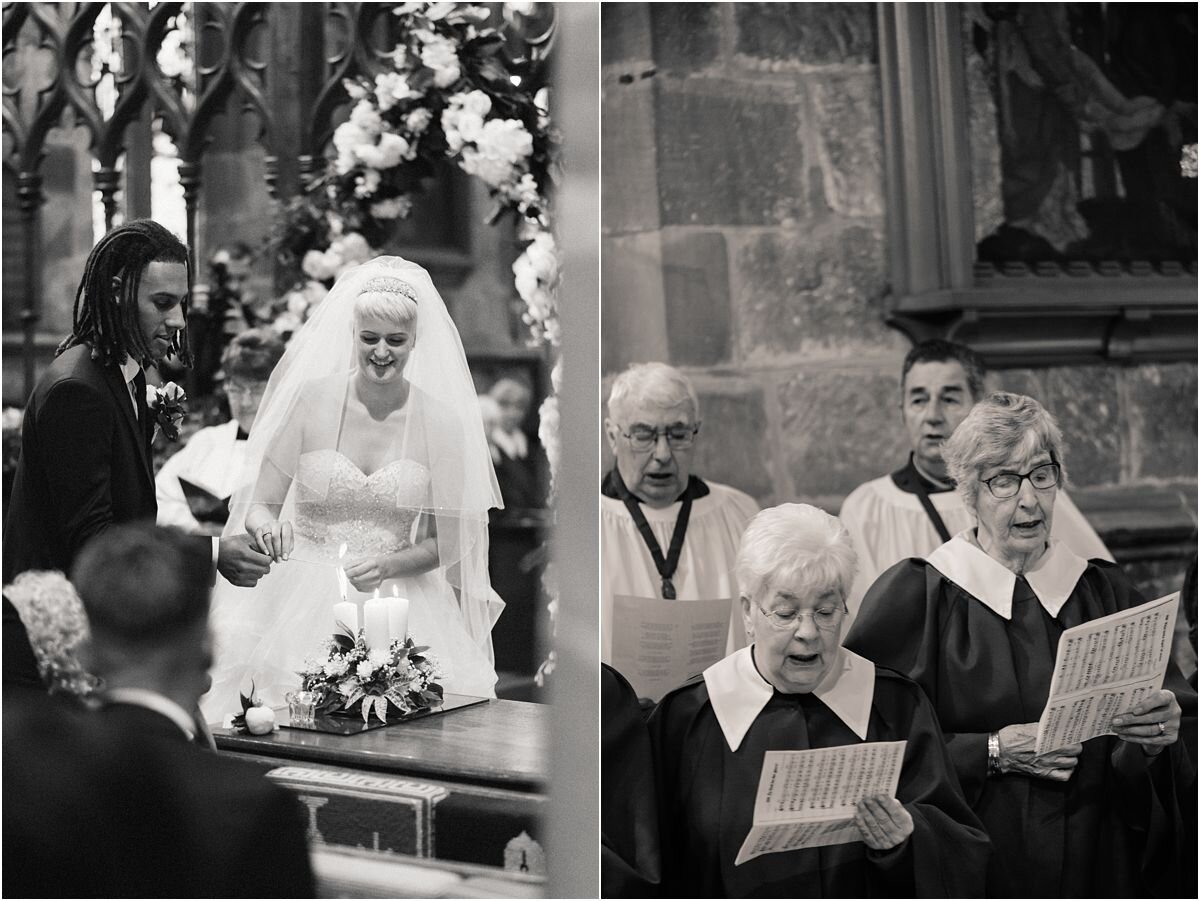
<point x="1123" y="825"/>
<point x="707" y="794"/>
<point x="629" y="858"/>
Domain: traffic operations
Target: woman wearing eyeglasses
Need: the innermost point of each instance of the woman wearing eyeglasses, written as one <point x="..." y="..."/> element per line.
<point x="977" y="625"/>
<point x="795" y="688"/>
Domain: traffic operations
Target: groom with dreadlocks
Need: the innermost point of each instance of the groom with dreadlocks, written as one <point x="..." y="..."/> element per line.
<point x="85" y="439"/>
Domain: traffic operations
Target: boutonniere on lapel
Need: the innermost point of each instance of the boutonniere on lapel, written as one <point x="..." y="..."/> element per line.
<point x="169" y="405"/>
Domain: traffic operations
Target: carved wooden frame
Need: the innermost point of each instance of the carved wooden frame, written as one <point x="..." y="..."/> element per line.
<point x="1018" y="317"/>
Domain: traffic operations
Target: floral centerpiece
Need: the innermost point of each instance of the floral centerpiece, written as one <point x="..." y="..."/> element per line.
<point x="351" y="677"/>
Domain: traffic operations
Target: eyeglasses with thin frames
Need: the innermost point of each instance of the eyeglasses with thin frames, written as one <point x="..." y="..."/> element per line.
<point x="679" y="436"/>
<point x="1008" y="484"/>
<point x="826" y="618"/>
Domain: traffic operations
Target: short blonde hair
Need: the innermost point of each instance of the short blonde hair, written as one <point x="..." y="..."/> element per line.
<point x="998" y="428"/>
<point x="795" y="541"/>
<point x="651" y="383"/>
<point x="388" y="298"/>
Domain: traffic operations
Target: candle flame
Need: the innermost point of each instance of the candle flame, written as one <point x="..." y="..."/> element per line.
<point x="342" y="551"/>
<point x="395" y="591"/>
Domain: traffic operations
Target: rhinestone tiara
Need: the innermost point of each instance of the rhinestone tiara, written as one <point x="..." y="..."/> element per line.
<point x="386" y="284"/>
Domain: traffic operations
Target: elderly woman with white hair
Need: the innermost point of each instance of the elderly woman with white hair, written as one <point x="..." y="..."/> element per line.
<point x="796" y="688"/>
<point x="666" y="534"/>
<point x="977" y="625"/>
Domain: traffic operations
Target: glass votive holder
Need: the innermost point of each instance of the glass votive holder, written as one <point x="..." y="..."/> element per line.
<point x="301" y="707"/>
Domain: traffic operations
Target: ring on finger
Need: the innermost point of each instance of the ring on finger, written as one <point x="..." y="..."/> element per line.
<point x="1162" y="728"/>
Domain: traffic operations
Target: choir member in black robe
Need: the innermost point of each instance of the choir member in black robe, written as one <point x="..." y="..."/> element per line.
<point x="796" y="688"/>
<point x="977" y="626"/>
<point x="629" y="858"/>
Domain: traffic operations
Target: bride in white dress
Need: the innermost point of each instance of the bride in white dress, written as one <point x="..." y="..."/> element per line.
<point x="369" y="455"/>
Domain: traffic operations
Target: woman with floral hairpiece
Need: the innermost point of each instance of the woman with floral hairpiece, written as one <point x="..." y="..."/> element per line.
<point x="368" y="455"/>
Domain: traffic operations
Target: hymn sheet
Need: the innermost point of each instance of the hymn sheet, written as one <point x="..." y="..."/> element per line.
<point x="658" y="645"/>
<point x="1103" y="668"/>
<point x="807" y="799"/>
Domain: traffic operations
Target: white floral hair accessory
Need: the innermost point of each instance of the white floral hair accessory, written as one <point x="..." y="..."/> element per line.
<point x="57" y="625"/>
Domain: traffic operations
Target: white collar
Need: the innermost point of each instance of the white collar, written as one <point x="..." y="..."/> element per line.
<point x="514" y="444"/>
<point x="738" y="693"/>
<point x="129" y="369"/>
<point x="152" y="700"/>
<point x="992" y="583"/>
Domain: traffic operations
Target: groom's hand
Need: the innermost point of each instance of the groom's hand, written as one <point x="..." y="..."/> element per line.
<point x="241" y="563"/>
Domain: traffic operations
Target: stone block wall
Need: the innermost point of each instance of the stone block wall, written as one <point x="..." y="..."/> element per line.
<point x="744" y="240"/>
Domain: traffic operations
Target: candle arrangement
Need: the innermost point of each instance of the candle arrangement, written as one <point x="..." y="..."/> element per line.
<point x="372" y="666"/>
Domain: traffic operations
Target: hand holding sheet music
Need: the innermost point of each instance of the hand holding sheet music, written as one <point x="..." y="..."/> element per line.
<point x="1104" y="668"/>
<point x="807" y="799"/>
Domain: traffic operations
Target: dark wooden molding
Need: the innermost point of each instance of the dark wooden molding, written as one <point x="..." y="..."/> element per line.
<point x="1019" y="317"/>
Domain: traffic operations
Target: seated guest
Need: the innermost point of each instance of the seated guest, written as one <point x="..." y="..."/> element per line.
<point x="977" y="625"/>
<point x="664" y="532"/>
<point x="516" y="466"/>
<point x="797" y="688"/>
<point x="629" y="859"/>
<point x="194" y="485"/>
<point x="915" y="509"/>
<point x="122" y="803"/>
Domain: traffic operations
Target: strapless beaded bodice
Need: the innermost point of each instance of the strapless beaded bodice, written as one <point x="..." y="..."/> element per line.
<point x="369" y="514"/>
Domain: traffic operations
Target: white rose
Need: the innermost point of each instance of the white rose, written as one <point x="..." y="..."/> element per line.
<point x="286" y="323"/>
<point x="365" y="116"/>
<point x="475" y="102"/>
<point x="470" y="126"/>
<point x="314" y="266"/>
<point x="494" y="172"/>
<point x="391" y="88"/>
<point x="354" y="90"/>
<point x="367" y="183"/>
<point x="392" y="208"/>
<point x="364" y="670"/>
<point x="437" y="11"/>
<point x="440" y="55"/>
<point x="505" y="139"/>
<point x="354" y="248"/>
<point x="297" y="303"/>
<point x="418" y="120"/>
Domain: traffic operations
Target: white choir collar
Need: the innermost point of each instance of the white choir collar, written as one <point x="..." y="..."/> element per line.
<point x="738" y="693"/>
<point x="514" y="444"/>
<point x="992" y="583"/>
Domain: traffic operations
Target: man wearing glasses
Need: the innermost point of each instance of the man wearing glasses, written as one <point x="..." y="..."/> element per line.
<point x="915" y="509"/>
<point x="195" y="484"/>
<point x="666" y="534"/>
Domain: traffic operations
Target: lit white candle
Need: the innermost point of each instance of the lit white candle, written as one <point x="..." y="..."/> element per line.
<point x="343" y="582"/>
<point x="375" y="623"/>
<point x="397" y="616"/>
<point x="346" y="613"/>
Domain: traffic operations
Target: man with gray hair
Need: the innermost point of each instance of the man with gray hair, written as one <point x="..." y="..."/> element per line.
<point x="666" y="534"/>
<point x="915" y="509"/>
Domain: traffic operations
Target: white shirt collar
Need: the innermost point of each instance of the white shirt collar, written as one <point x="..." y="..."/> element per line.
<point x="514" y="444"/>
<point x="129" y="369"/>
<point x="738" y="693"/>
<point x="152" y="700"/>
<point x="991" y="582"/>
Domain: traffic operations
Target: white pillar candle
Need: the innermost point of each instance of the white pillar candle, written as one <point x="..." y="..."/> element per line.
<point x="346" y="613"/>
<point x="398" y="618"/>
<point x="375" y="623"/>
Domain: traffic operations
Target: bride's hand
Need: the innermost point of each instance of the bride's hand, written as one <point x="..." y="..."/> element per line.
<point x="368" y="573"/>
<point x="274" y="539"/>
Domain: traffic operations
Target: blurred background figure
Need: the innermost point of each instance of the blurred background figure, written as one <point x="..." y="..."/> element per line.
<point x="230" y="310"/>
<point x="195" y="484"/>
<point x="517" y="469"/>
<point x="123" y="801"/>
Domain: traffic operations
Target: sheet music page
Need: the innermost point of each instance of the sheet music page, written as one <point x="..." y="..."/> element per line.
<point x="658" y="645"/>
<point x="1105" y="667"/>
<point x="806" y="799"/>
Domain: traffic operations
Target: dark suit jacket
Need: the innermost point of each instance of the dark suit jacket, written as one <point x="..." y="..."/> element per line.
<point x="117" y="803"/>
<point x="85" y="464"/>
